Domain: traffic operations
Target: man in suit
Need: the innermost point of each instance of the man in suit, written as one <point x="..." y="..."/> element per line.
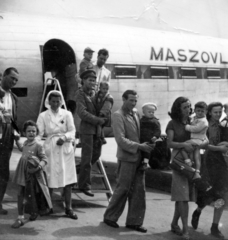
<point x="10" y="79"/>
<point x="89" y="122"/>
<point x="131" y="180"/>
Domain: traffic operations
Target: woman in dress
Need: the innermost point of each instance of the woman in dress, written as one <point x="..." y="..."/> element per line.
<point x="58" y="125"/>
<point x="181" y="192"/>
<point x="216" y="170"/>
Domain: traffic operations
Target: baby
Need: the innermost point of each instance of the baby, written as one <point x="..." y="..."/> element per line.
<point x="198" y="129"/>
<point x="224" y="132"/>
<point x="150" y="129"/>
<point x="103" y="101"/>
<point x="5" y="115"/>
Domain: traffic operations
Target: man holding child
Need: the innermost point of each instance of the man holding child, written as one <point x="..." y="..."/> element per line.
<point x="88" y="129"/>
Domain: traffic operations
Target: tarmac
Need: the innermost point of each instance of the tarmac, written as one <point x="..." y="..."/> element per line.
<point x="90" y="210"/>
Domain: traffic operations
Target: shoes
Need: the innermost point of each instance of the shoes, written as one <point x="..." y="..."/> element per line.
<point x="176" y="229"/>
<point x="18" y="223"/>
<point x="111" y="223"/>
<point x="87" y="192"/>
<point x="137" y="228"/>
<point x="216" y="233"/>
<point x="195" y="219"/>
<point x="71" y="214"/>
<point x="79" y="145"/>
<point x="3" y="211"/>
<point x="33" y="216"/>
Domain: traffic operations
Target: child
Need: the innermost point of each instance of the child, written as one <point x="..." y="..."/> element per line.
<point x="5" y="116"/>
<point x="198" y="129"/>
<point x="86" y="62"/>
<point x="30" y="177"/>
<point x="103" y="101"/>
<point x="224" y="132"/>
<point x="150" y="129"/>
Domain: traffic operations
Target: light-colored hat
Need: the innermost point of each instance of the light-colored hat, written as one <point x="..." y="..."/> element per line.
<point x="46" y="103"/>
<point x="88" y="50"/>
<point x="150" y="104"/>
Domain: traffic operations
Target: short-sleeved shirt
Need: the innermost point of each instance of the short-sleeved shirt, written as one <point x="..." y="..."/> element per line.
<point x="180" y="134"/>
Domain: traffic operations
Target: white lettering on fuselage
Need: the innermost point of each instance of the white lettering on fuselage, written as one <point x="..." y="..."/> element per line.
<point x="191" y="56"/>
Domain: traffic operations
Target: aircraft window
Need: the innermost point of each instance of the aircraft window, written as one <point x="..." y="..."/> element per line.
<point x="122" y="71"/>
<point x="188" y="72"/>
<point x="20" y="92"/>
<point x="213" y="73"/>
<point x="159" y="72"/>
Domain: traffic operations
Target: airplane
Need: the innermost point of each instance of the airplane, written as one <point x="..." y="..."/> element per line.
<point x="160" y="65"/>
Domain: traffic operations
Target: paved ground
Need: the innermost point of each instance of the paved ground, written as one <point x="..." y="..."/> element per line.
<point x="90" y="212"/>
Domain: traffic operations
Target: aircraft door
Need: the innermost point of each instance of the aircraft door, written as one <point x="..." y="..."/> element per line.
<point x="59" y="62"/>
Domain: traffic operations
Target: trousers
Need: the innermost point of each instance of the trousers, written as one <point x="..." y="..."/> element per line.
<point x="130" y="187"/>
<point x="91" y="151"/>
<point x="6" y="147"/>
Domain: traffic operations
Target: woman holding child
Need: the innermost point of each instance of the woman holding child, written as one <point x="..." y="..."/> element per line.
<point x="216" y="169"/>
<point x="182" y="191"/>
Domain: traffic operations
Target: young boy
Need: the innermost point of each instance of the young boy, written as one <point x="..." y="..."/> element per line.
<point x="198" y="129"/>
<point x="150" y="129"/>
<point x="103" y="101"/>
<point x="224" y="132"/>
<point x="86" y="62"/>
<point x="5" y="116"/>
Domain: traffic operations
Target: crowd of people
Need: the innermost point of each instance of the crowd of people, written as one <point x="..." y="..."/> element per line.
<point x="43" y="168"/>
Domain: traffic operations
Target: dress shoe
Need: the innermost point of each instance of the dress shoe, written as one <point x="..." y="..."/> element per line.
<point x="3" y="211"/>
<point x="195" y="219"/>
<point x="87" y="192"/>
<point x="137" y="228"/>
<point x="111" y="223"/>
<point x="216" y="233"/>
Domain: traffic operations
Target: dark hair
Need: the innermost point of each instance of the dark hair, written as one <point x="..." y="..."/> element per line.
<point x="210" y="106"/>
<point x="176" y="108"/>
<point x="71" y="105"/>
<point x="126" y="93"/>
<point x="30" y="123"/>
<point x="103" y="51"/>
<point x="54" y="94"/>
<point x="201" y="104"/>
<point x="9" y="70"/>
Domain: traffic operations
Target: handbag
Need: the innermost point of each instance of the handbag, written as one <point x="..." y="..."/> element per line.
<point x="182" y="168"/>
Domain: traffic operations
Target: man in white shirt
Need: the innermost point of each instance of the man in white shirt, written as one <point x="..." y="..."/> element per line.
<point x="103" y="74"/>
<point x="10" y="79"/>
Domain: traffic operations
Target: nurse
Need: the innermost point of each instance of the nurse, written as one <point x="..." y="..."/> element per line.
<point x="58" y="125"/>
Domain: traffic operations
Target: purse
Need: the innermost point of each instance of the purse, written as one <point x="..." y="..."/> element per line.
<point x="182" y="168"/>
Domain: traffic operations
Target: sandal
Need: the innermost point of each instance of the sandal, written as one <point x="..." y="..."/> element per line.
<point x="71" y="214"/>
<point x="176" y="229"/>
<point x="33" y="216"/>
<point x="18" y="223"/>
<point x="186" y="236"/>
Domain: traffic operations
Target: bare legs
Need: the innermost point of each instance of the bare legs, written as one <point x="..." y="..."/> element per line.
<point x="181" y="211"/>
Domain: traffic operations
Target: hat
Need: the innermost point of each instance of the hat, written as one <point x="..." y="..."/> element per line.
<point x="88" y="73"/>
<point x="150" y="104"/>
<point x="88" y="49"/>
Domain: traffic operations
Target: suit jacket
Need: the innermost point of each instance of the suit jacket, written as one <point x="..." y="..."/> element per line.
<point x="14" y="104"/>
<point x="87" y="112"/>
<point x="127" y="135"/>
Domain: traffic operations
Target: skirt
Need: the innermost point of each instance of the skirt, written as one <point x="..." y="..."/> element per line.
<point x="21" y="172"/>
